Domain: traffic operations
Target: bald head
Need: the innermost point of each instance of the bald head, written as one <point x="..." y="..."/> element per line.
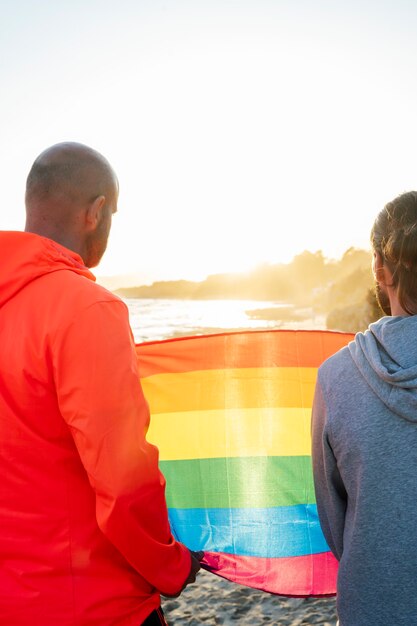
<point x="68" y="172"/>
<point x="71" y="193"/>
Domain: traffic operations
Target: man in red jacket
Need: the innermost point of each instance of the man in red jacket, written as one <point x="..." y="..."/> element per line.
<point x="84" y="532"/>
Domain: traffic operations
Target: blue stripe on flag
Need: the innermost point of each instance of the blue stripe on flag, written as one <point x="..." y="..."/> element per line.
<point x="270" y="532"/>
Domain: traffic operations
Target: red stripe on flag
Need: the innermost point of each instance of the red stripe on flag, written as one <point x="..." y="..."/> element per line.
<point x="299" y="576"/>
<point x="269" y="348"/>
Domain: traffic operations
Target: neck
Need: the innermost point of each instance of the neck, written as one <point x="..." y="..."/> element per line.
<point x="68" y="240"/>
<point x="396" y="308"/>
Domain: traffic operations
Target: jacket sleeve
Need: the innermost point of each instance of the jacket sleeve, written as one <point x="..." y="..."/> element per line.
<point x="331" y="495"/>
<point x="101" y="399"/>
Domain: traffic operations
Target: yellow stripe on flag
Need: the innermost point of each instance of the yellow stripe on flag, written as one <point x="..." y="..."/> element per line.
<point x="231" y="433"/>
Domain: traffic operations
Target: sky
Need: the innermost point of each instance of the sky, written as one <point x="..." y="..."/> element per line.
<point x="242" y="132"/>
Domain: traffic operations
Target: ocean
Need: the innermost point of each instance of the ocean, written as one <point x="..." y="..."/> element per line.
<point x="154" y="319"/>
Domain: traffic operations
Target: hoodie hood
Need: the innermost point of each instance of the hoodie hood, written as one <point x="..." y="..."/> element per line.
<point x="386" y="356"/>
<point x="24" y="257"/>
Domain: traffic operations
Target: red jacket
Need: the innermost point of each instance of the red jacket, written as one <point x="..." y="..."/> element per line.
<point x="84" y="532"/>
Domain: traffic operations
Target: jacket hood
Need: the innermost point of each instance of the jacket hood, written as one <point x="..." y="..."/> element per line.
<point x="386" y="355"/>
<point x="24" y="257"/>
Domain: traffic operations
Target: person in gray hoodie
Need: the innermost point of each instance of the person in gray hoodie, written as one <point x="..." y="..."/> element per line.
<point x="364" y="432"/>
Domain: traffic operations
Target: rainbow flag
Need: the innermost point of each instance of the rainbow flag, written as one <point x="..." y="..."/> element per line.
<point x="230" y="414"/>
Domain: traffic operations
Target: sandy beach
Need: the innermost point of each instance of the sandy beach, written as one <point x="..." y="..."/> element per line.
<point x="213" y="600"/>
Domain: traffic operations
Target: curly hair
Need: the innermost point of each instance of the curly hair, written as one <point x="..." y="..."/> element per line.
<point x="394" y="236"/>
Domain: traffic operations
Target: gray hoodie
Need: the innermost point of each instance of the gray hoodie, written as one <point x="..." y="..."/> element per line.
<point x="364" y="428"/>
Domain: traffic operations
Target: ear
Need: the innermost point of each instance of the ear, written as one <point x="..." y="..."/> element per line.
<point x="381" y="271"/>
<point x="94" y="212"/>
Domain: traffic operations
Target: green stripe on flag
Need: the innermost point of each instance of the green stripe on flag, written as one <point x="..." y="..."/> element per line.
<point x="245" y="482"/>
